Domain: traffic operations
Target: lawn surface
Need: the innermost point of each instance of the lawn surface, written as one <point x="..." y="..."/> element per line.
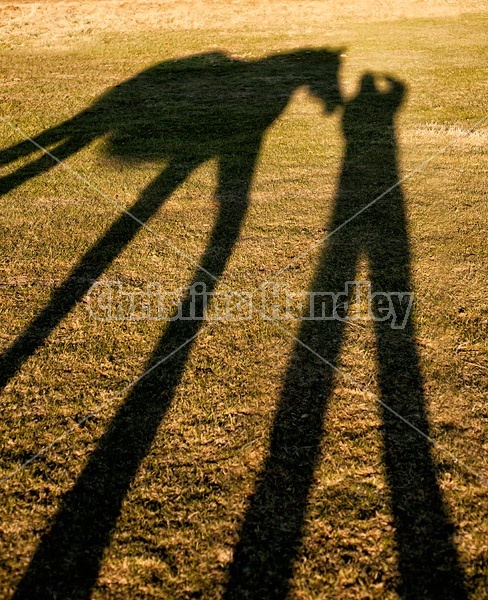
<point x="243" y="466"/>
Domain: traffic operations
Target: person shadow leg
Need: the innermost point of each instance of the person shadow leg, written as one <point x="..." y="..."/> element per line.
<point x="427" y="559"/>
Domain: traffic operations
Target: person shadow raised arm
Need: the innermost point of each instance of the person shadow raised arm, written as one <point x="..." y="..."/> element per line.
<point x="189" y="111"/>
<point x="272" y="529"/>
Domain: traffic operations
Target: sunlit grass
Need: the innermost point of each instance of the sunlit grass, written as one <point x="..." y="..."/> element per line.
<point x="180" y="519"/>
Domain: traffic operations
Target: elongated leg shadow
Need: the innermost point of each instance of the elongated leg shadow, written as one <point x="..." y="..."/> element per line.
<point x="67" y="561"/>
<point x="93" y="263"/>
<point x="272" y="530"/>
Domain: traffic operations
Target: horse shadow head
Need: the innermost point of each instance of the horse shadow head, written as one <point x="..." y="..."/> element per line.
<point x="323" y="71"/>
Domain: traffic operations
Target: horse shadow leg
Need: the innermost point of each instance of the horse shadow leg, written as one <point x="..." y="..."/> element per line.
<point x="67" y="561"/>
<point x="92" y="265"/>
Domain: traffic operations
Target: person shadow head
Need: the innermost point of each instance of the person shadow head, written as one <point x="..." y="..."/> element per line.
<point x="368" y="219"/>
<point x="186" y="111"/>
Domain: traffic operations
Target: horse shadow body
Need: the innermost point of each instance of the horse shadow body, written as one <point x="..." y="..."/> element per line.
<point x="185" y="111"/>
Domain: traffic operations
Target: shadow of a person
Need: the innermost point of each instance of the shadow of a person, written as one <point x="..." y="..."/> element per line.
<point x="271" y="533"/>
<point x="189" y="111"/>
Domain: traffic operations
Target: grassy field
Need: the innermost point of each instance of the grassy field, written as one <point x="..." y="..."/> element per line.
<point x="243" y="466"/>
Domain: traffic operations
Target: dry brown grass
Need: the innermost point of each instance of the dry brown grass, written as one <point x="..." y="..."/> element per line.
<point x="58" y="23"/>
<point x="180" y="519"/>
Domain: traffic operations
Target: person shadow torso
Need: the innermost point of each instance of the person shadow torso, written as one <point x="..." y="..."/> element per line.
<point x="273" y="526"/>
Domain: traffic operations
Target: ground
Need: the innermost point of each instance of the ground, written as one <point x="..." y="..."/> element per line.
<point x="207" y="461"/>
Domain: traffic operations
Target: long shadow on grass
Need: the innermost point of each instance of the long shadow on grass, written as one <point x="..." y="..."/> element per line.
<point x="188" y="111"/>
<point x="273" y="527"/>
